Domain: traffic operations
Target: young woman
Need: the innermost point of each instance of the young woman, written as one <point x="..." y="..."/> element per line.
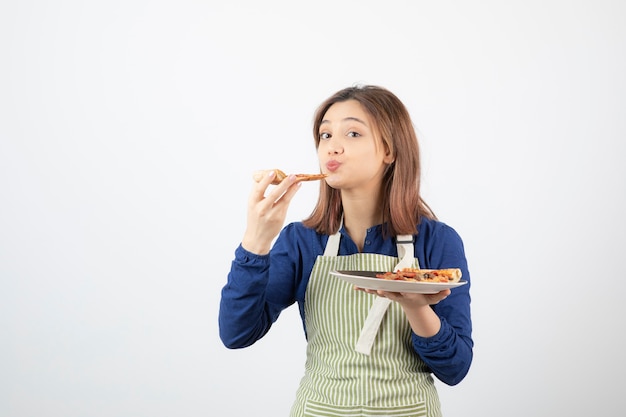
<point x="366" y="355"/>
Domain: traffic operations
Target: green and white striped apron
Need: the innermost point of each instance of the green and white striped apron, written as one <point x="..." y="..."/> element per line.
<point x="341" y="379"/>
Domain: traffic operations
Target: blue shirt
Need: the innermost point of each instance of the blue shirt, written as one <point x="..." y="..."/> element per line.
<point x="259" y="287"/>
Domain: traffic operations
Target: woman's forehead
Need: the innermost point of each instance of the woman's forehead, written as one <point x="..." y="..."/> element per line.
<point x="346" y="111"/>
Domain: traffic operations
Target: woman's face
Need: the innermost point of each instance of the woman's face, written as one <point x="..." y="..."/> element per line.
<point x="350" y="150"/>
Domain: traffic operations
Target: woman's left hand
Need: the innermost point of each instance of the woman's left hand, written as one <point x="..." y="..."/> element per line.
<point x="409" y="299"/>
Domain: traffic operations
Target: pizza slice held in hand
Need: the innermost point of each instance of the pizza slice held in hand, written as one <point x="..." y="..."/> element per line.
<point x="280" y="176"/>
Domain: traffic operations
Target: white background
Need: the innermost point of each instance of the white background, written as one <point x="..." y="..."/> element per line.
<point x="129" y="131"/>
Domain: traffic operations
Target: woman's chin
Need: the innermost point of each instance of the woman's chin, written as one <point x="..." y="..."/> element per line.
<point x="332" y="180"/>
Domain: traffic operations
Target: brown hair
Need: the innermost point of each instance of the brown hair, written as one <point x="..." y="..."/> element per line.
<point x="403" y="207"/>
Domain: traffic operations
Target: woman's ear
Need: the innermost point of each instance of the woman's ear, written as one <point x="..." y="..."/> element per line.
<point x="389" y="155"/>
<point x="389" y="159"/>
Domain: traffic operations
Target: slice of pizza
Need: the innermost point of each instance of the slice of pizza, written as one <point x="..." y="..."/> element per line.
<point x="280" y="175"/>
<point x="423" y="275"/>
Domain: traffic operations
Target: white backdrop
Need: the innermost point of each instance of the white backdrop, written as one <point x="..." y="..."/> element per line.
<point x="129" y="131"/>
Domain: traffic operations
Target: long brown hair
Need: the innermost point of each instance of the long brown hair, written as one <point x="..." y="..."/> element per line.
<point x="403" y="207"/>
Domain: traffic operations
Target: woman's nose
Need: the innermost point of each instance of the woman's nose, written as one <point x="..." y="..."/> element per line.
<point x="335" y="148"/>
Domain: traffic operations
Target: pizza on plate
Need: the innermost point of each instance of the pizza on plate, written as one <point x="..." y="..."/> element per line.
<point x="423" y="275"/>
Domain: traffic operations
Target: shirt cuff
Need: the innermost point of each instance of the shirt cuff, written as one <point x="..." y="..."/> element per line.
<point x="245" y="258"/>
<point x="433" y="342"/>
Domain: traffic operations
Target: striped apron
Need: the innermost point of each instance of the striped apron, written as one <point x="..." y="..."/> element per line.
<point x="341" y="379"/>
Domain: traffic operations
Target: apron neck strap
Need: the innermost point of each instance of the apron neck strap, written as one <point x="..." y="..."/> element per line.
<point x="403" y="242"/>
<point x="405" y="251"/>
<point x="379" y="307"/>
<point x="332" y="246"/>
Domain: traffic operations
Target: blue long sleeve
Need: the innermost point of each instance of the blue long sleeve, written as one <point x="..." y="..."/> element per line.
<point x="449" y="353"/>
<point x="245" y="316"/>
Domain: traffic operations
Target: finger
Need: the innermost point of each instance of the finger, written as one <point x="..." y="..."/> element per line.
<point x="261" y="184"/>
<point x="440" y="296"/>
<point x="365" y="290"/>
<point x="258" y="176"/>
<point x="283" y="192"/>
<point x="289" y="187"/>
<point x="278" y="175"/>
<point x="273" y="201"/>
<point x="394" y="296"/>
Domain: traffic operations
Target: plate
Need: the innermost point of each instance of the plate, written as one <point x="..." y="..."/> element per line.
<point x="368" y="280"/>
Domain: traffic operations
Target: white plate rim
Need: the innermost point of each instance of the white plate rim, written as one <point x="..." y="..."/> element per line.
<point x="361" y="280"/>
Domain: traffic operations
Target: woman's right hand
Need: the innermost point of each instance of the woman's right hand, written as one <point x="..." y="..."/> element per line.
<point x="267" y="213"/>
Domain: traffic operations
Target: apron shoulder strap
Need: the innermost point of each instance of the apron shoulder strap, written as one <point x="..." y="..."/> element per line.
<point x="405" y="251"/>
<point x="332" y="246"/>
<point x="380" y="305"/>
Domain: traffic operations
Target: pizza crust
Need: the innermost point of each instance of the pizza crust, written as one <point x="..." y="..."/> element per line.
<point x="280" y="176"/>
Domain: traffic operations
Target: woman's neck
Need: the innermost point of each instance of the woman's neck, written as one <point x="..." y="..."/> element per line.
<point x="360" y="214"/>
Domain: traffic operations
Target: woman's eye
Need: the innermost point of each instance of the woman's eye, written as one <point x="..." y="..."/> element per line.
<point x="353" y="134"/>
<point x="324" y="135"/>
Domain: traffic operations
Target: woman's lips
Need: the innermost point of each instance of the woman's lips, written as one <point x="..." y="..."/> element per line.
<point x="332" y="165"/>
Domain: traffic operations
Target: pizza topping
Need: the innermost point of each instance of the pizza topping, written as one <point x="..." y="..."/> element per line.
<point x="423" y="275"/>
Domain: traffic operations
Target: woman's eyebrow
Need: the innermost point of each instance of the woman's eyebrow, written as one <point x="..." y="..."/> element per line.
<point x="347" y="119"/>
<point x="354" y="119"/>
